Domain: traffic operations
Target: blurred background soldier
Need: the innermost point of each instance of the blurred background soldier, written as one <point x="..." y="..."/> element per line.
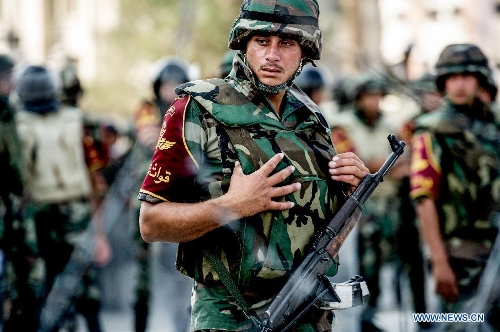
<point x="487" y="93"/>
<point x="343" y="97"/>
<point x="312" y="81"/>
<point x="226" y="63"/>
<point x="21" y="269"/>
<point x="365" y="129"/>
<point x="343" y="92"/>
<point x="455" y="176"/>
<point x="169" y="73"/>
<point x="71" y="88"/>
<point x="99" y="134"/>
<point x="57" y="162"/>
<point x="408" y="240"/>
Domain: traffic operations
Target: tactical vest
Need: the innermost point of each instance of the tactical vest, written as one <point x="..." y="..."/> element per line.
<point x="52" y="147"/>
<point x="261" y="250"/>
<point x="370" y="143"/>
<point x="470" y="163"/>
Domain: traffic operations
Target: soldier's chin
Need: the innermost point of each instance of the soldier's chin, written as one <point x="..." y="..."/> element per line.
<point x="272" y="81"/>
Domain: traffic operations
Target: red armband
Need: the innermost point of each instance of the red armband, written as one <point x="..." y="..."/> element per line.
<point x="172" y="162"/>
<point x="425" y="170"/>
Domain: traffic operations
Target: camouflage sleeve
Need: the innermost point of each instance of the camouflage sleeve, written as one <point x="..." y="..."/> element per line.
<point x="425" y="173"/>
<point x="173" y="161"/>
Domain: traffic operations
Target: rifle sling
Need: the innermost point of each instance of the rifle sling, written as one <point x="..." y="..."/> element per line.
<point x="231" y="286"/>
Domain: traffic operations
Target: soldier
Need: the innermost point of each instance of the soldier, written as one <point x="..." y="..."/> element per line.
<point x="56" y="164"/>
<point x="455" y="176"/>
<point x="408" y="238"/>
<point x="312" y="81"/>
<point x="365" y="128"/>
<point x="148" y="117"/>
<point x="224" y="146"/>
<point x="22" y="270"/>
<point x="343" y="92"/>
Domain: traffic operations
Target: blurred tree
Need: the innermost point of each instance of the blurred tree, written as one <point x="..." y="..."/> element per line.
<point x="196" y="30"/>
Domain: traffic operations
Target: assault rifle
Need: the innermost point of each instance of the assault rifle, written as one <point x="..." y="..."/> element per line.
<point x="308" y="285"/>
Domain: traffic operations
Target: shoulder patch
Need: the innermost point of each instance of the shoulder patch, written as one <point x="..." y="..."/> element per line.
<point x="172" y="161"/>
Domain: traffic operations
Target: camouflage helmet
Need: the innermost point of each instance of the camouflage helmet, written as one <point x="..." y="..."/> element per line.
<point x="297" y="18"/>
<point x="368" y="83"/>
<point x="424" y="84"/>
<point x="343" y="91"/>
<point x="461" y="58"/>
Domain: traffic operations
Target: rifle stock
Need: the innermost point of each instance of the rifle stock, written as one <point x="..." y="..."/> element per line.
<point x="308" y="283"/>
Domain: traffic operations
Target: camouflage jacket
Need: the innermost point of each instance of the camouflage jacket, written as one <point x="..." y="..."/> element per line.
<point x="456" y="162"/>
<point x="10" y="161"/>
<point x="10" y="165"/>
<point x="17" y="235"/>
<point x="216" y="122"/>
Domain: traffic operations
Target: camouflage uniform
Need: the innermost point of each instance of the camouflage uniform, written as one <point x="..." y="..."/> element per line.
<point x="408" y="238"/>
<point x="22" y="270"/>
<point x="214" y="145"/>
<point x="380" y="222"/>
<point x="456" y="163"/>
<point x="56" y="164"/>
<point x="215" y="123"/>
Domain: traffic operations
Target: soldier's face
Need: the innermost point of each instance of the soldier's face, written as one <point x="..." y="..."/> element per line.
<point x="167" y="91"/>
<point x="273" y="59"/>
<point x="461" y="88"/>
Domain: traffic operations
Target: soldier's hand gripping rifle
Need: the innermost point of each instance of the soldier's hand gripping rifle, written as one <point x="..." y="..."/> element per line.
<point x="308" y="284"/>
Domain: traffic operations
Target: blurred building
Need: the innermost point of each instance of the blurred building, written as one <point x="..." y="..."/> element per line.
<point x="36" y="31"/>
<point x="427" y="26"/>
<point x="364" y="35"/>
<point x="405" y="36"/>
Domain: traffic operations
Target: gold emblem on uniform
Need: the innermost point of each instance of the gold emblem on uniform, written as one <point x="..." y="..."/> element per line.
<point x="163" y="144"/>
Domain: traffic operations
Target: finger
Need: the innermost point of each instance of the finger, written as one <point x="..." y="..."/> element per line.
<point x="349" y="155"/>
<point x="237" y="171"/>
<point x="280" y="206"/>
<point x="285" y="190"/>
<point x="280" y="176"/>
<point x="348" y="178"/>
<point x="348" y="170"/>
<point x="345" y="161"/>
<point x="271" y="164"/>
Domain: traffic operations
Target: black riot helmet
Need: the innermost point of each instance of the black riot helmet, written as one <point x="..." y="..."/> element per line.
<point x="310" y="80"/>
<point x="172" y="71"/>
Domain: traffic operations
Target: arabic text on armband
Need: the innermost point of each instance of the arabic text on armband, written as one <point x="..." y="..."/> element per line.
<point x="159" y="176"/>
